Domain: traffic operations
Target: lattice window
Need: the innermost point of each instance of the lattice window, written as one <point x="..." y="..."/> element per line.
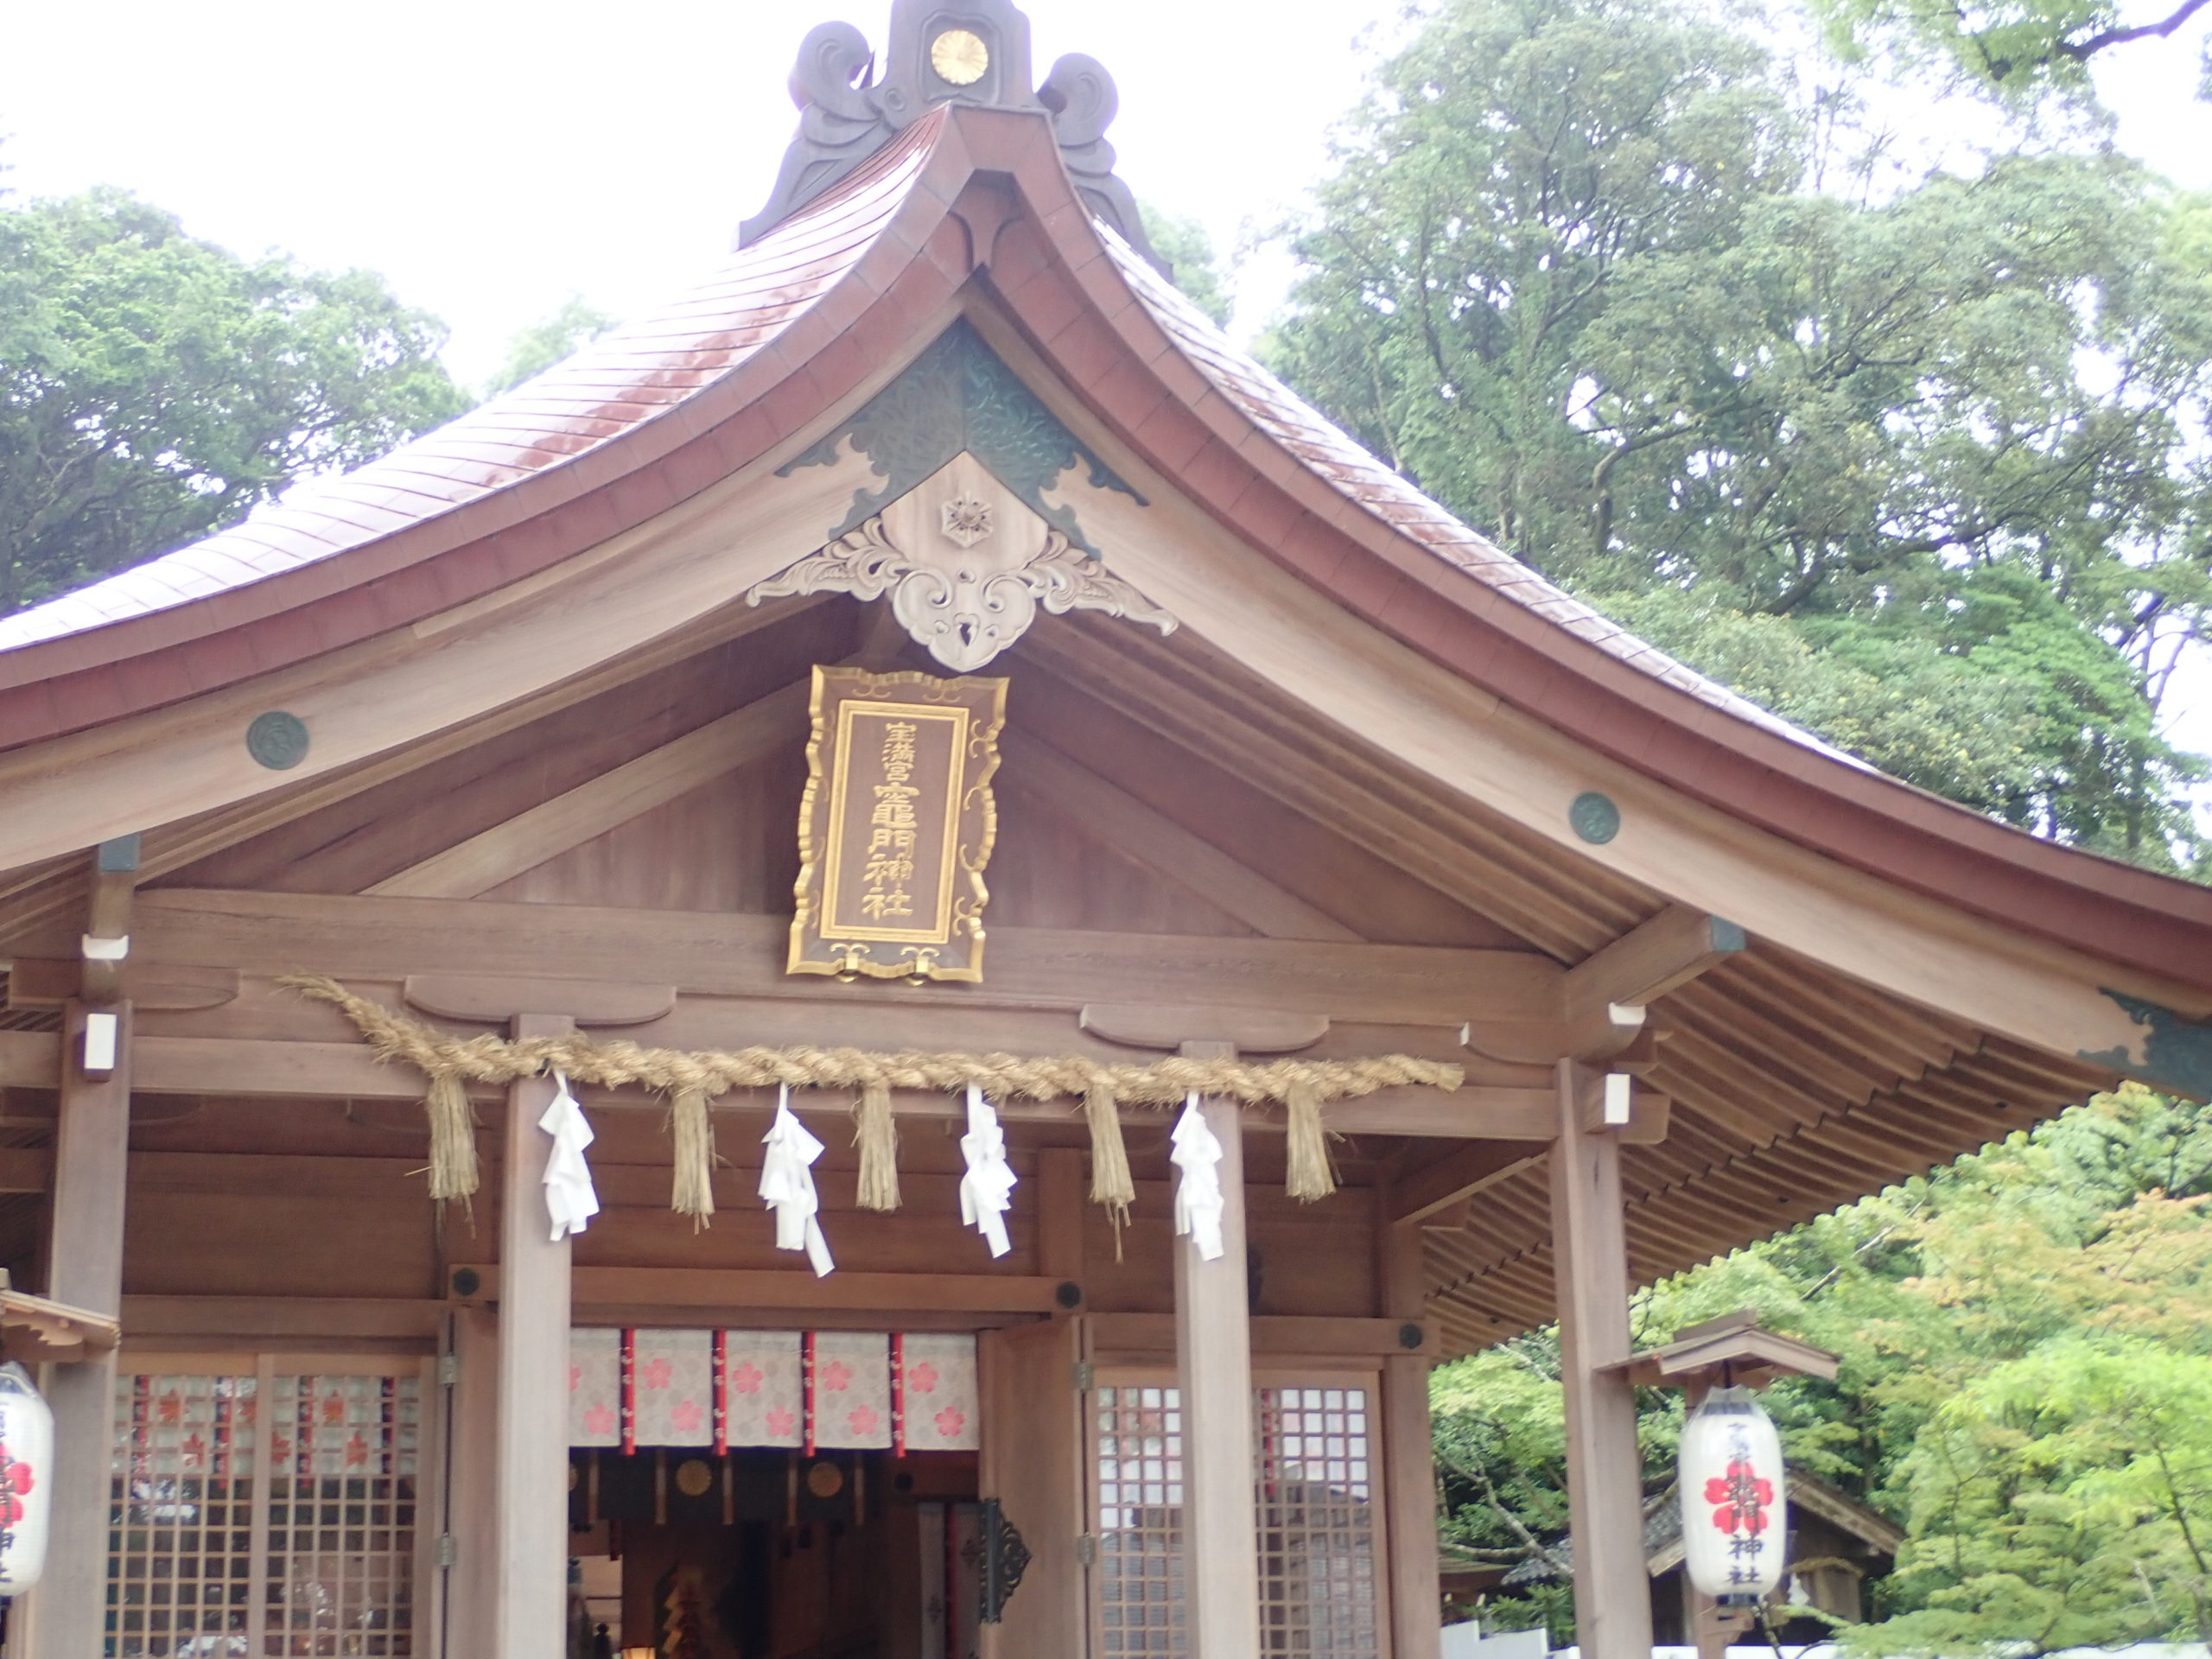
<point x="181" y="1524"/>
<point x="1317" y="1524"/>
<point x="1313" y="1492"/>
<point x="1139" y="1570"/>
<point x="342" y="1516"/>
<point x="316" y="1557"/>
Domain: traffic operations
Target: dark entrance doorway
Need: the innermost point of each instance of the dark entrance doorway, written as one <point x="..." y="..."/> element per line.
<point x="759" y="1555"/>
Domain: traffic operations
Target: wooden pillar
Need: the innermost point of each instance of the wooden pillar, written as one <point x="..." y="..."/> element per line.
<point x="1604" y="1483"/>
<point x="67" y="1612"/>
<point x="1213" y="1351"/>
<point x="531" y="1614"/>
<point x="473" y="1439"/>
<point x="1409" y="1454"/>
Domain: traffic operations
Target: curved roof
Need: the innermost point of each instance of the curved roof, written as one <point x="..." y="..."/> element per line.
<point x="665" y="406"/>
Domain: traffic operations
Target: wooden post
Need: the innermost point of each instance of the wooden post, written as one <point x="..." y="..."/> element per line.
<point x="1604" y="1473"/>
<point x="1213" y="1352"/>
<point x="1409" y="1454"/>
<point x="67" y="1612"/>
<point x="473" y="1441"/>
<point x="531" y="1616"/>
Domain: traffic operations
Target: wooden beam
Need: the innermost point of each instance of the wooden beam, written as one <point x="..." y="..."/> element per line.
<point x="1213" y="1356"/>
<point x="263" y="933"/>
<point x="530" y="1503"/>
<point x="302" y="1318"/>
<point x="545" y="831"/>
<point x="252" y="1068"/>
<point x="1442" y="1182"/>
<point x="890" y="1293"/>
<point x="40" y="983"/>
<point x="84" y="1269"/>
<point x="1607" y="994"/>
<point x="38" y="1330"/>
<point x="1168" y="1025"/>
<point x="586" y="1001"/>
<point x="1274" y="1335"/>
<point x="1605" y="1471"/>
<point x="1160" y="844"/>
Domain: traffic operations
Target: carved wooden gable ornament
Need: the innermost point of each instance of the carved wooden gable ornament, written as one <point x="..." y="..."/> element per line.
<point x="896" y="825"/>
<point x="963" y="536"/>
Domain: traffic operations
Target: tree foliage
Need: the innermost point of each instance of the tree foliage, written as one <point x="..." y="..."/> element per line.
<point x="537" y="348"/>
<point x="2023" y="50"/>
<point x="2026" y="1386"/>
<point x="1576" y="275"/>
<point x="154" y="388"/>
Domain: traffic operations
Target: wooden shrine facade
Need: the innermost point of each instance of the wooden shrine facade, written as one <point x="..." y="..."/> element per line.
<point x="509" y="739"/>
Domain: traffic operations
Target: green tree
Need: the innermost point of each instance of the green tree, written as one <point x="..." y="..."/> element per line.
<point x="1572" y="276"/>
<point x="2026" y="1344"/>
<point x="152" y="388"/>
<point x="538" y="347"/>
<point x="1187" y="248"/>
<point x="2021" y="49"/>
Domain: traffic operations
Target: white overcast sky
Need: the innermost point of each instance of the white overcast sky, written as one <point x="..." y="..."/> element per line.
<point x="492" y="157"/>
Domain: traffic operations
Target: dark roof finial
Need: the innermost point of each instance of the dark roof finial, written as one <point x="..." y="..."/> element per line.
<point x="970" y="51"/>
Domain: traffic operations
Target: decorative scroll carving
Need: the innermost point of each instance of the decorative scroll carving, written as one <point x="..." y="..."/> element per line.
<point x="845" y="116"/>
<point x="1084" y="101"/>
<point x="963" y="612"/>
<point x="958" y="396"/>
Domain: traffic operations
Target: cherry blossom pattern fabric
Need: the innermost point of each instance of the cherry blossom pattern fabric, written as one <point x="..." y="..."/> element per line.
<point x="595" y="1386"/>
<point x="940" y="1392"/>
<point x="675" y="1373"/>
<point x="852" y="1389"/>
<point x="763" y="1389"/>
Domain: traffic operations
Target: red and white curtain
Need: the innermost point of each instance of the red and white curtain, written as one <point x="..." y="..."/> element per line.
<point x="815" y="1390"/>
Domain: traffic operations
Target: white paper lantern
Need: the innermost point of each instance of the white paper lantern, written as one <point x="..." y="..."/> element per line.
<point x="1735" y="1511"/>
<point x="26" y="1480"/>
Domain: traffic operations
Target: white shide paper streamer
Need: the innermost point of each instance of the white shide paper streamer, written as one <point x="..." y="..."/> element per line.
<point x="570" y="1198"/>
<point x="787" y="1185"/>
<point x="987" y="1190"/>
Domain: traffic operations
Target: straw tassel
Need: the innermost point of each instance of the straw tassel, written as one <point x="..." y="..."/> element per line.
<point x="1110" y="1182"/>
<point x="1310" y="1177"/>
<point x="877" y="1136"/>
<point x="694" y="1194"/>
<point x="452" y="1137"/>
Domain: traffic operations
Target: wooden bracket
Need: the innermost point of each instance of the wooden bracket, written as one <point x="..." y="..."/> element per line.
<point x="494" y="999"/>
<point x="42" y="983"/>
<point x="1172" y="1025"/>
<point x="1606" y="995"/>
<point x="35" y="1329"/>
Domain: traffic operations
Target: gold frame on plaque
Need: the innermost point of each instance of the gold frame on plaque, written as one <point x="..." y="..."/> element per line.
<point x="899" y="770"/>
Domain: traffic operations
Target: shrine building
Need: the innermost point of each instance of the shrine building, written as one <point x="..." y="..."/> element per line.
<point x="874" y="972"/>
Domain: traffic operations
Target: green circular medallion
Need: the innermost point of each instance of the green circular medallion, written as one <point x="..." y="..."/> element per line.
<point x="277" y="740"/>
<point x="1595" y="818"/>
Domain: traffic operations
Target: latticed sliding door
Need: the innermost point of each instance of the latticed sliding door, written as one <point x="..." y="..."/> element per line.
<point x="259" y="1511"/>
<point x="180" y="1562"/>
<point x="1315" y="1482"/>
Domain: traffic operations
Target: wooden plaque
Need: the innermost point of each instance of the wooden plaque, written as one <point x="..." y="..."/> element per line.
<point x="896" y="825"/>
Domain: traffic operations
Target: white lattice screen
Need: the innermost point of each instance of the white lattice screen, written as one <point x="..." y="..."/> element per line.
<point x="270" y="1514"/>
<point x="1313" y="1491"/>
